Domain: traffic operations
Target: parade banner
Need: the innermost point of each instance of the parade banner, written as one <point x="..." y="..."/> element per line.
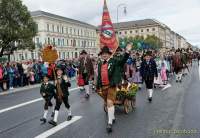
<point x="107" y="34"/>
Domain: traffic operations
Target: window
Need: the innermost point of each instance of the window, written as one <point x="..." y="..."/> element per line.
<point x="74" y="31"/>
<point x="53" y="28"/>
<point x="125" y="32"/>
<point x="21" y="56"/>
<point x="78" y="32"/>
<point x="47" y="27"/>
<point x="66" y="30"/>
<point x="67" y="42"/>
<point x="58" y="29"/>
<point x="147" y="30"/>
<point x="58" y="41"/>
<point x="54" y="41"/>
<point x="63" y="55"/>
<point x="142" y="30"/>
<point x="70" y="30"/>
<point x="74" y="43"/>
<point x="48" y="40"/>
<point x="82" y="43"/>
<point x="136" y="31"/>
<point x="120" y="32"/>
<point x="26" y="56"/>
<point x="68" y="54"/>
<point x="32" y="55"/>
<point x="63" y="42"/>
<point x="62" y="30"/>
<point x="76" y="55"/>
<point x="131" y="32"/>
<point x="78" y="42"/>
<point x="71" y="42"/>
<point x="153" y="29"/>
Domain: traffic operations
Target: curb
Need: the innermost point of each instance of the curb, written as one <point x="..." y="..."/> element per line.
<point x="19" y="89"/>
<point x="25" y="88"/>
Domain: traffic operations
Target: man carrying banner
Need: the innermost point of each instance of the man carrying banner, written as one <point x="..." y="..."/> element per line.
<point x="106" y="82"/>
<point x="107" y="79"/>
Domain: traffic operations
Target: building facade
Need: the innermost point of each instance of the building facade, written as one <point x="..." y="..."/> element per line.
<point x="68" y="35"/>
<point x="147" y="27"/>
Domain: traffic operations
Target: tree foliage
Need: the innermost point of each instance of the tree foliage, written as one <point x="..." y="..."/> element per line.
<point x="139" y="42"/>
<point x="17" y="28"/>
<point x="153" y="41"/>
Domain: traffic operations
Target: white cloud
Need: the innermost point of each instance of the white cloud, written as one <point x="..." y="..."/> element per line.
<point x="181" y="16"/>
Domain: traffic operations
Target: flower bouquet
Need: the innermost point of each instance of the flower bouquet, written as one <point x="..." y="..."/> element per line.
<point x="127" y="91"/>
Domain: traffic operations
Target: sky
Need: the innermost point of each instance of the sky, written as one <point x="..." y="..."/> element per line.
<point x="182" y="16"/>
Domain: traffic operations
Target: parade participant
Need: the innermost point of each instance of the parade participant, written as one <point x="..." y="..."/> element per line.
<point x="47" y="91"/>
<point x="163" y="73"/>
<point x="148" y="71"/>
<point x="177" y="65"/>
<point x="86" y="70"/>
<point x="62" y="85"/>
<point x="106" y="82"/>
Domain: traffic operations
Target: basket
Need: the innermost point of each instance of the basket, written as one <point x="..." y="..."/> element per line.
<point x="128" y="92"/>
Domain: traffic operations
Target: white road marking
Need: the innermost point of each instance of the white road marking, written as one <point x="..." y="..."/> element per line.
<point x="20" y="105"/>
<point x="27" y="103"/>
<point x="58" y="128"/>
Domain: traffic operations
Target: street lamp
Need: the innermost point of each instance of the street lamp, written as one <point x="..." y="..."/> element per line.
<point x="125" y="11"/>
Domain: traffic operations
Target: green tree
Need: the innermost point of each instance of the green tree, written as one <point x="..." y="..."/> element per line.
<point x="17" y="28"/>
<point x="153" y="41"/>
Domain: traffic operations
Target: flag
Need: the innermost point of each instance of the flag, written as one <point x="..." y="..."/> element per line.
<point x="107" y="34"/>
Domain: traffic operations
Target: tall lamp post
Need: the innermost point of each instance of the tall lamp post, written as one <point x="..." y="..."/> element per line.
<point x="125" y="11"/>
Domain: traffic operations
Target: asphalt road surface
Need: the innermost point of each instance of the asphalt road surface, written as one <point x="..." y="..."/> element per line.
<point x="173" y="113"/>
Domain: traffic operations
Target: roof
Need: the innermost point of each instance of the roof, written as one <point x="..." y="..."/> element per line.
<point x="136" y="23"/>
<point x="42" y="13"/>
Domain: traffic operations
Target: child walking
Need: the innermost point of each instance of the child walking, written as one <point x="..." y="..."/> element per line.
<point x="47" y="91"/>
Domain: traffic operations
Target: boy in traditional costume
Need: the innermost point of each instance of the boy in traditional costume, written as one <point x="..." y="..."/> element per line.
<point x="47" y="91"/>
<point x="107" y="80"/>
<point x="62" y="85"/>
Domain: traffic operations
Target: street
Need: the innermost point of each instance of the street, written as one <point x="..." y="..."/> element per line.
<point x="176" y="108"/>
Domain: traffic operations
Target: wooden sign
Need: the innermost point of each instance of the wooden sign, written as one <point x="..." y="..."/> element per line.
<point x="49" y="54"/>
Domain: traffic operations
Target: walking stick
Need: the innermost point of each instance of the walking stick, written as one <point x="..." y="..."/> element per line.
<point x="58" y="88"/>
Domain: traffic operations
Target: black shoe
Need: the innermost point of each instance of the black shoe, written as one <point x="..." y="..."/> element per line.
<point x="180" y="81"/>
<point x="114" y="121"/>
<point x="176" y="81"/>
<point x="109" y="128"/>
<point x="150" y="99"/>
<point x="52" y="114"/>
<point x="87" y="96"/>
<point x="69" y="118"/>
<point x="53" y="123"/>
<point x="43" y="120"/>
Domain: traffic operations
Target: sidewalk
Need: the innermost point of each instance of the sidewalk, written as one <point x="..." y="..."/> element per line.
<point x="20" y="89"/>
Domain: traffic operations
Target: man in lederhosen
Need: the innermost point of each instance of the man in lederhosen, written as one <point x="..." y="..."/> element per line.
<point x="107" y="80"/>
<point x="148" y="71"/>
<point x="86" y="70"/>
<point x="62" y="85"/>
